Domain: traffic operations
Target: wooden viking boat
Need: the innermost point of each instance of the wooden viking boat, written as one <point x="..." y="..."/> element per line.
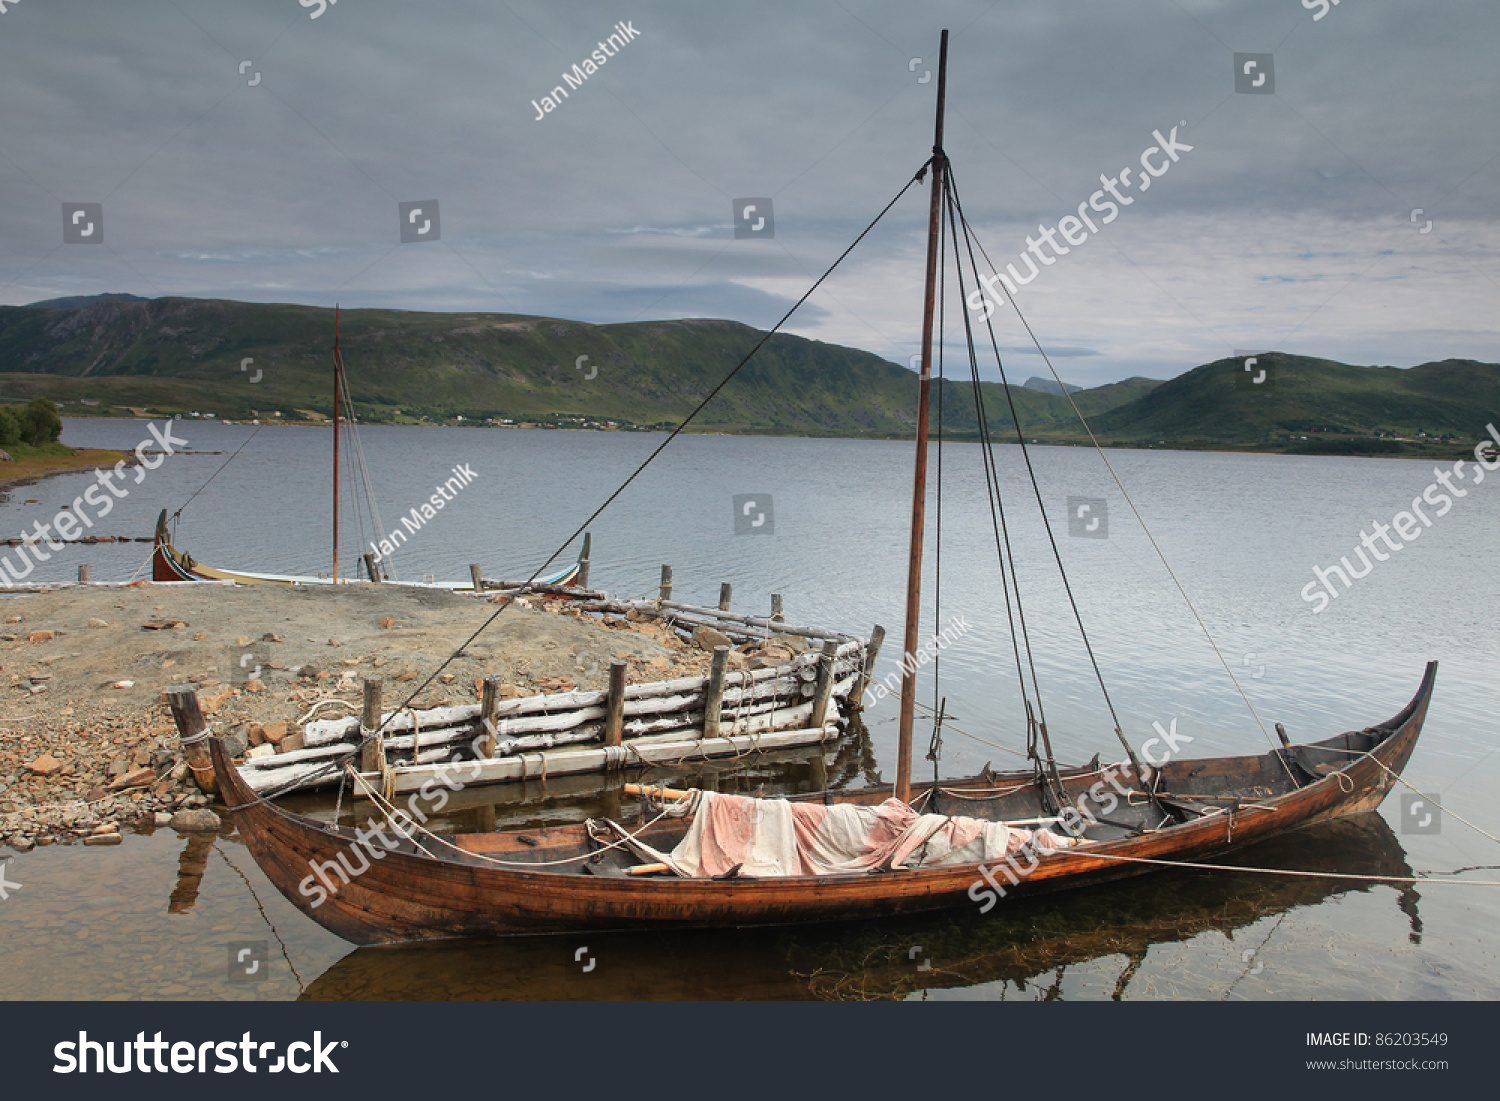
<point x="563" y="879"/>
<point x="1029" y="947"/>
<point x="655" y="872"/>
<point x="170" y="564"/>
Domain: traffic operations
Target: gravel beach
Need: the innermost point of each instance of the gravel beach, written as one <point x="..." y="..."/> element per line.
<point x="86" y="740"/>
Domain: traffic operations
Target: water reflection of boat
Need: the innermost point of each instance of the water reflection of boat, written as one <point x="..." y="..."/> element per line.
<point x="1035" y="940"/>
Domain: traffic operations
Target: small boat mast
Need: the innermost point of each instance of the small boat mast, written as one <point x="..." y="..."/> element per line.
<point x="919" y="488"/>
<point x="338" y="370"/>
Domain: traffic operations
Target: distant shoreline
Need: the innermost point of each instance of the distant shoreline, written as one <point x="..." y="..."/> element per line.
<point x="41" y="466"/>
<point x="1417" y="452"/>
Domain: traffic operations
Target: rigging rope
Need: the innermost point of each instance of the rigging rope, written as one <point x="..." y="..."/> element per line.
<point x="1207" y="634"/>
<point x="214" y="475"/>
<point x="1036" y="490"/>
<point x="1086" y="852"/>
<point x="1038" y="725"/>
<point x="317" y="773"/>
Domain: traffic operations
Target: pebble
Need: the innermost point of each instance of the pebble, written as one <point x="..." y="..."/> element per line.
<point x="160" y="819"/>
<point x="103" y="839"/>
<point x="97" y="623"/>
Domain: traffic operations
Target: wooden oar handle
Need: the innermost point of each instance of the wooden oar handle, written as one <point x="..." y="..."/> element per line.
<point x="659" y="792"/>
<point x="646" y="869"/>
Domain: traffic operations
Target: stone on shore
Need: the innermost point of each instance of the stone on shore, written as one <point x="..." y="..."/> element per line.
<point x="195" y="821"/>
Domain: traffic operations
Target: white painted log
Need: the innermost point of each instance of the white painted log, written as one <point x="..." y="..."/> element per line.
<point x="297" y="756"/>
<point x="563" y="762"/>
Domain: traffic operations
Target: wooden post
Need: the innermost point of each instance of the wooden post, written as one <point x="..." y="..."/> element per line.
<point x="714" y="699"/>
<point x="776" y="608"/>
<point x="372" y="754"/>
<point x="877" y="636"/>
<point x="188" y="715"/>
<point x="489" y="711"/>
<point x="476" y="576"/>
<point x="614" y="718"/>
<point x="83" y="575"/>
<point x="370" y="568"/>
<point x="666" y="583"/>
<point x="582" y="581"/>
<point x="824" y="690"/>
<point x="724" y="591"/>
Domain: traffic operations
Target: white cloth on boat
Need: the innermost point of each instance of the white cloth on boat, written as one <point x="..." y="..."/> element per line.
<point x="774" y="837"/>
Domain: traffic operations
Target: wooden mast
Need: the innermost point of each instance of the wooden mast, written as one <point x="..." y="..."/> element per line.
<point x="919" y="489"/>
<point x="336" y="380"/>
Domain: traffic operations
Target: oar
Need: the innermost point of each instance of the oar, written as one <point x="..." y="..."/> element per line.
<point x="662" y="793"/>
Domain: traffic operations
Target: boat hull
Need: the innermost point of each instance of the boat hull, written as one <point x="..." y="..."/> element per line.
<point x="407" y="895"/>
<point x="170" y="564"/>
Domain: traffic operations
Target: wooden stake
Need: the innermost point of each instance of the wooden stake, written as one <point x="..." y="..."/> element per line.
<point x="582" y="580"/>
<point x="489" y="712"/>
<point x="614" y="717"/>
<point x="713" y="704"/>
<point x="724" y="590"/>
<point x="476" y="576"/>
<point x="188" y="715"/>
<point x="824" y="688"/>
<point x="372" y="755"/>
<point x="776" y="607"/>
<point x="666" y="583"/>
<point x="370" y="568"/>
<point x="877" y="636"/>
<point x="83" y="575"/>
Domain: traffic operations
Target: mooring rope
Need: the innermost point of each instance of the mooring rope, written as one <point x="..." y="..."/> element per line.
<point x="1408" y="879"/>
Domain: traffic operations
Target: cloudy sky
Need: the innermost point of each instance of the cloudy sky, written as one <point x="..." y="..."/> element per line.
<point x="245" y="149"/>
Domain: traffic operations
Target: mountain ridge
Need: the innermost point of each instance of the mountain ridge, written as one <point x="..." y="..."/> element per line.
<point x="244" y="360"/>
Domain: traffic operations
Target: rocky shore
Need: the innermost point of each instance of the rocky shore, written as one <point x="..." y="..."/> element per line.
<point x="87" y="743"/>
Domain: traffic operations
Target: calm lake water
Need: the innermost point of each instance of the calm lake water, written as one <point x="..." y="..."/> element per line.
<point x="155" y="916"/>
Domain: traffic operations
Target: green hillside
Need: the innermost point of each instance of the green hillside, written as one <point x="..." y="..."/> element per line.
<point x="176" y="355"/>
<point x="242" y="360"/>
<point x="1318" y="399"/>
